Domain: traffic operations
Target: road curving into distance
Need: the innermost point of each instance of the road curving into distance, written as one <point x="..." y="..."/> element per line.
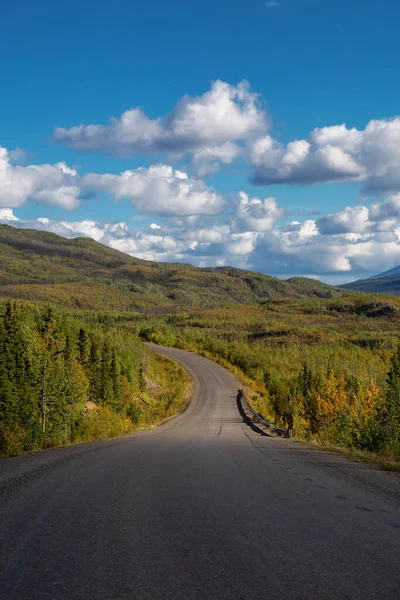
<point x="200" y="508"/>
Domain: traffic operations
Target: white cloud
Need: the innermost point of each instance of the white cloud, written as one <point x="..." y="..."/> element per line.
<point x="333" y="154"/>
<point x="48" y="184"/>
<point x="17" y="154"/>
<point x="192" y="222"/>
<point x="254" y="214"/>
<point x="207" y="160"/>
<point x="390" y="207"/>
<point x="160" y="190"/>
<point x="206" y="125"/>
<point x="70" y="229"/>
<point x="347" y="245"/>
<point x="349" y="220"/>
<point x="132" y="132"/>
<point x="227" y="122"/>
<point x="240" y="244"/>
<point x="157" y="190"/>
<point x="6" y="214"/>
<point x="272" y="4"/>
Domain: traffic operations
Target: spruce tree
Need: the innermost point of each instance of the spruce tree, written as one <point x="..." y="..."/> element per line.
<point x="8" y="398"/>
<point x="82" y="347"/>
<point x="142" y="382"/>
<point x="115" y="382"/>
<point x="391" y="410"/>
<point x="107" y="393"/>
<point x="94" y="366"/>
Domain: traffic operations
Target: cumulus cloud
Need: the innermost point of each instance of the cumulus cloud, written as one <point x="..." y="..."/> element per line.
<point x="387" y="209"/>
<point x="300" y="248"/>
<point x="48" y="184"/>
<point x="333" y="154"/>
<point x="160" y="190"/>
<point x="227" y="122"/>
<point x="349" y="220"/>
<point x="206" y="125"/>
<point x="85" y="228"/>
<point x="254" y="214"/>
<point x="355" y="242"/>
<point x="192" y="222"/>
<point x="207" y="160"/>
<point x="223" y="114"/>
<point x="6" y="214"/>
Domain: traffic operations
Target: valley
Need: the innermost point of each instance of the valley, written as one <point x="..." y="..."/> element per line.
<point x="313" y="353"/>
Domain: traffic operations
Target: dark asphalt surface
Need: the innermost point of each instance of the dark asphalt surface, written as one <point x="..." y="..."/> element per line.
<point x="201" y="508"/>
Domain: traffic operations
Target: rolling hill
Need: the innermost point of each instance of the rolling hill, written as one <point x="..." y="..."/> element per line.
<point x="83" y="274"/>
<point x="387" y="282"/>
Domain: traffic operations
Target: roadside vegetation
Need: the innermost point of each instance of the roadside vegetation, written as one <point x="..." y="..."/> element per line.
<point x="331" y="365"/>
<point x="64" y="381"/>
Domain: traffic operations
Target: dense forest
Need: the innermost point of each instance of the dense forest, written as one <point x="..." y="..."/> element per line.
<point x="64" y="381"/>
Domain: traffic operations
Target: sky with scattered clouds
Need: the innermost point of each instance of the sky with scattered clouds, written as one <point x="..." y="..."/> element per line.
<point x="263" y="135"/>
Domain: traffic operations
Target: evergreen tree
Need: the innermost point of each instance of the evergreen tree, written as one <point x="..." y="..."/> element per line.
<point x="68" y="351"/>
<point x="116" y="382"/>
<point x="306" y="380"/>
<point x="390" y="415"/>
<point x="307" y="386"/>
<point x="8" y="400"/>
<point x="107" y="393"/>
<point x="267" y="378"/>
<point x="82" y="347"/>
<point x="45" y="381"/>
<point x="142" y="383"/>
<point x="18" y="397"/>
<point x="94" y="367"/>
<point x="50" y="350"/>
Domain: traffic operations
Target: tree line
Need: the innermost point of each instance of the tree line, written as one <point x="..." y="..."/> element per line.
<point x="62" y="381"/>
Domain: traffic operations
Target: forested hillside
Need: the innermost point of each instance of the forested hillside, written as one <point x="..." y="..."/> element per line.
<point x="83" y="274"/>
<point x="64" y="380"/>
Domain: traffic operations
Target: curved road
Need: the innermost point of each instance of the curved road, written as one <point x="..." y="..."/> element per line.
<point x="200" y="508"/>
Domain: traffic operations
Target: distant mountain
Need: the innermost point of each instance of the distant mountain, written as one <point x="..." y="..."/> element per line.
<point x="81" y="273"/>
<point x="387" y="282"/>
<point x="390" y="273"/>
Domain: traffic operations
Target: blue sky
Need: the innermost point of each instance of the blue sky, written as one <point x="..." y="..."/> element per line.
<point x="309" y="64"/>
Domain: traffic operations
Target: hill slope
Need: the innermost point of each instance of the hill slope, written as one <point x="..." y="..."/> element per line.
<point x="390" y="273"/>
<point x="381" y="285"/>
<point x="81" y="273"/>
<point x="387" y="282"/>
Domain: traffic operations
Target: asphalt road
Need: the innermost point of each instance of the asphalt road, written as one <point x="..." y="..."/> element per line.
<point x="201" y="508"/>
